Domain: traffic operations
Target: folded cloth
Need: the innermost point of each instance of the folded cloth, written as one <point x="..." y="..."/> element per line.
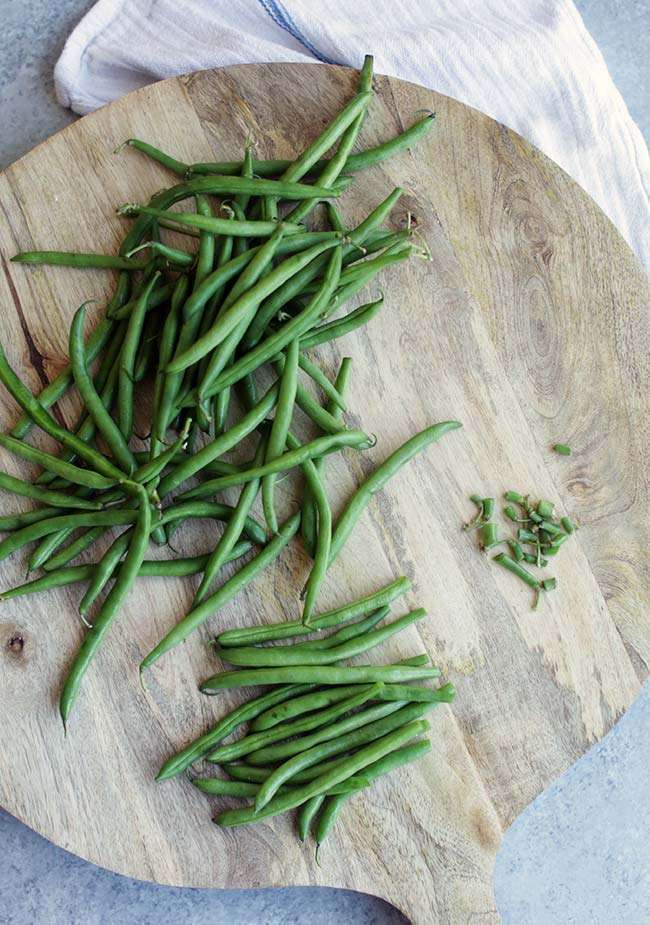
<point x="530" y="64"/>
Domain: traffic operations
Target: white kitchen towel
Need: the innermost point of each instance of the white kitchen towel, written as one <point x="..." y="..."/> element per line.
<point x="531" y="64"/>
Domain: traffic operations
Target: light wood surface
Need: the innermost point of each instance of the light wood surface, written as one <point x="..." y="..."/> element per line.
<point x="530" y="326"/>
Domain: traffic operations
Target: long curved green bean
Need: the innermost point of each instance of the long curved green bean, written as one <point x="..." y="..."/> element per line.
<point x="35" y="531"/>
<point x="83" y="261"/>
<point x="237" y="717"/>
<point x="308" y="528"/>
<point x="307" y="814"/>
<point x="345" y="769"/>
<point x="94" y="404"/>
<point x="387" y="692"/>
<point x="259" y="657"/>
<point x="355" y="162"/>
<point x="279" y="430"/>
<point x="257" y="740"/>
<point x="233" y="529"/>
<point x="271" y="345"/>
<point x="110" y="607"/>
<point x="391" y="761"/>
<point x="295" y="286"/>
<point x="173" y="255"/>
<point x="316" y="674"/>
<point x="220" y="445"/>
<point x="104" y="570"/>
<point x="44" y="495"/>
<point x="225" y="593"/>
<point x="68" y="553"/>
<point x="46" y="422"/>
<point x="10" y="522"/>
<point x="332" y="330"/>
<point x="46" y="549"/>
<point x="125" y="377"/>
<point x="337" y="162"/>
<point x="161" y="401"/>
<point x="61" y="383"/>
<point x="250" y="635"/>
<point x="247" y="279"/>
<point x="380" y="476"/>
<point x="361" y="733"/>
<point x="158" y="297"/>
<point x="61" y="468"/>
<point x="247" y="301"/>
<point x="288" y="460"/>
<point x="150" y="568"/>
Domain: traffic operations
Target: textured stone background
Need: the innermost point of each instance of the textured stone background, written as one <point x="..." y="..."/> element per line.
<point x="579" y="855"/>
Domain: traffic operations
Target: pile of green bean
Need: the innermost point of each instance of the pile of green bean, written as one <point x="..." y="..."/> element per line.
<point x="325" y="730"/>
<point x="193" y="328"/>
<point x="539" y="536"/>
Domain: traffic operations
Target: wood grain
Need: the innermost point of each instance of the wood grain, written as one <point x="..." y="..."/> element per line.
<point x="529" y="325"/>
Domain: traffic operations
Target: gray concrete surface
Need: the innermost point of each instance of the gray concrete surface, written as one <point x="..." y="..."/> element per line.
<point x="578" y="856"/>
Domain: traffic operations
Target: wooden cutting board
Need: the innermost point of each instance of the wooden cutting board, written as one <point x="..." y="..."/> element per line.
<point x="529" y="325"/>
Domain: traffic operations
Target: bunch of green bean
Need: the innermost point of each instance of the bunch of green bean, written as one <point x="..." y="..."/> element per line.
<point x="194" y="327"/>
<point x="539" y="536"/>
<point x="325" y="730"/>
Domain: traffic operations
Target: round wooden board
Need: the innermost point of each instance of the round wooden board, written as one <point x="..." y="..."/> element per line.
<point x="528" y="325"/>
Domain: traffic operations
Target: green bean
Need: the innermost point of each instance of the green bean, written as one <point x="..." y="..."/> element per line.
<point x="550" y="529"/>
<point x="102" y="419"/>
<point x="307" y="814"/>
<point x="241" y="714"/>
<point x="270" y="346"/>
<point x="511" y="514"/>
<point x="212" y="509"/>
<point x="295" y="286"/>
<point x="247" y="301"/>
<point x="320" y="379"/>
<point x="348" y="767"/>
<point x="59" y="385"/>
<point x="288" y="460"/>
<point x="385" y="765"/>
<point x="309" y="510"/>
<point x="110" y="607"/>
<point x="217" y="786"/>
<point x="233" y="530"/>
<point x="152" y="469"/>
<point x="52" y="525"/>
<point x="323" y="541"/>
<point x="350" y="631"/>
<point x="160" y="411"/>
<point x="46" y="422"/>
<point x="279" y="430"/>
<point x="226" y="592"/>
<point x="158" y="297"/>
<point x="75" y="549"/>
<point x="567" y="524"/>
<point x="104" y="570"/>
<point x="562" y="448"/>
<point x="68" y="259"/>
<point x="557" y="542"/>
<point x="341" y="326"/>
<point x="380" y="476"/>
<point x="257" y="740"/>
<point x="155" y="154"/>
<point x="250" y="635"/>
<point x="549" y="584"/>
<point x="526" y="536"/>
<point x="44" y="495"/>
<point x="172" y="255"/>
<point x="513" y="566"/>
<point x="220" y="445"/>
<point x="532" y="560"/>
<point x="11" y="522"/>
<point x="52" y="463"/>
<point x="354" y="163"/>
<point x="317" y="674"/>
<point x="249" y="277"/>
<point x="46" y="549"/>
<point x="337" y="163"/>
<point x="127" y="362"/>
<point x="253" y="657"/>
<point x="150" y="568"/>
